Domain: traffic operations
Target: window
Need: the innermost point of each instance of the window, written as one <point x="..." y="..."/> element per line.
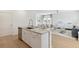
<point x="44" y="19"/>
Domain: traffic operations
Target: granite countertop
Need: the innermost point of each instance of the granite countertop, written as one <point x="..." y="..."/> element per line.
<point x="37" y="30"/>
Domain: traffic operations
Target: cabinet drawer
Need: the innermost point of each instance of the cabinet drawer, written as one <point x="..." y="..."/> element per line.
<point x="35" y="34"/>
<point x="25" y="32"/>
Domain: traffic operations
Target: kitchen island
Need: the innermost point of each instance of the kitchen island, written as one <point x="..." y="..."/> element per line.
<point x="36" y="38"/>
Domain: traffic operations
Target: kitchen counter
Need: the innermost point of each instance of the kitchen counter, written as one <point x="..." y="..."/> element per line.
<point x="57" y="31"/>
<point x="37" y="30"/>
<point x="42" y="31"/>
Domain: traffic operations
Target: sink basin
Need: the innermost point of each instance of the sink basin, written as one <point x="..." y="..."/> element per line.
<point x="30" y="28"/>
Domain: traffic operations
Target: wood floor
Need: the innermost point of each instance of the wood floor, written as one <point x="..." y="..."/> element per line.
<point x="12" y="42"/>
<point x="64" y="42"/>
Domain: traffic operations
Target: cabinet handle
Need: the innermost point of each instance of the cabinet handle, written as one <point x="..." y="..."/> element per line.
<point x="33" y="37"/>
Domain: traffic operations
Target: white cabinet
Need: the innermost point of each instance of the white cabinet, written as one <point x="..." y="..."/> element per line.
<point x="35" y="40"/>
<point x="26" y="37"/>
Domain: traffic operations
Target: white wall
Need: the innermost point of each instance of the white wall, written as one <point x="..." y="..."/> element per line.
<point x="11" y="20"/>
<point x="5" y="23"/>
<point x="19" y="20"/>
<point x="66" y="17"/>
<point x="77" y="21"/>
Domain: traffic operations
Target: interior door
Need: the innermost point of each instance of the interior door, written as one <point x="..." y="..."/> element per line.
<point x="5" y="24"/>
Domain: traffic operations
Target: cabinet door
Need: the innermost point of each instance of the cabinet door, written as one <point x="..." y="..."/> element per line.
<point x="35" y="41"/>
<point x="26" y="36"/>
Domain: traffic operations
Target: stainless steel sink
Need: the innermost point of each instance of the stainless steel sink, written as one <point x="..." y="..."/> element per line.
<point x="30" y="28"/>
